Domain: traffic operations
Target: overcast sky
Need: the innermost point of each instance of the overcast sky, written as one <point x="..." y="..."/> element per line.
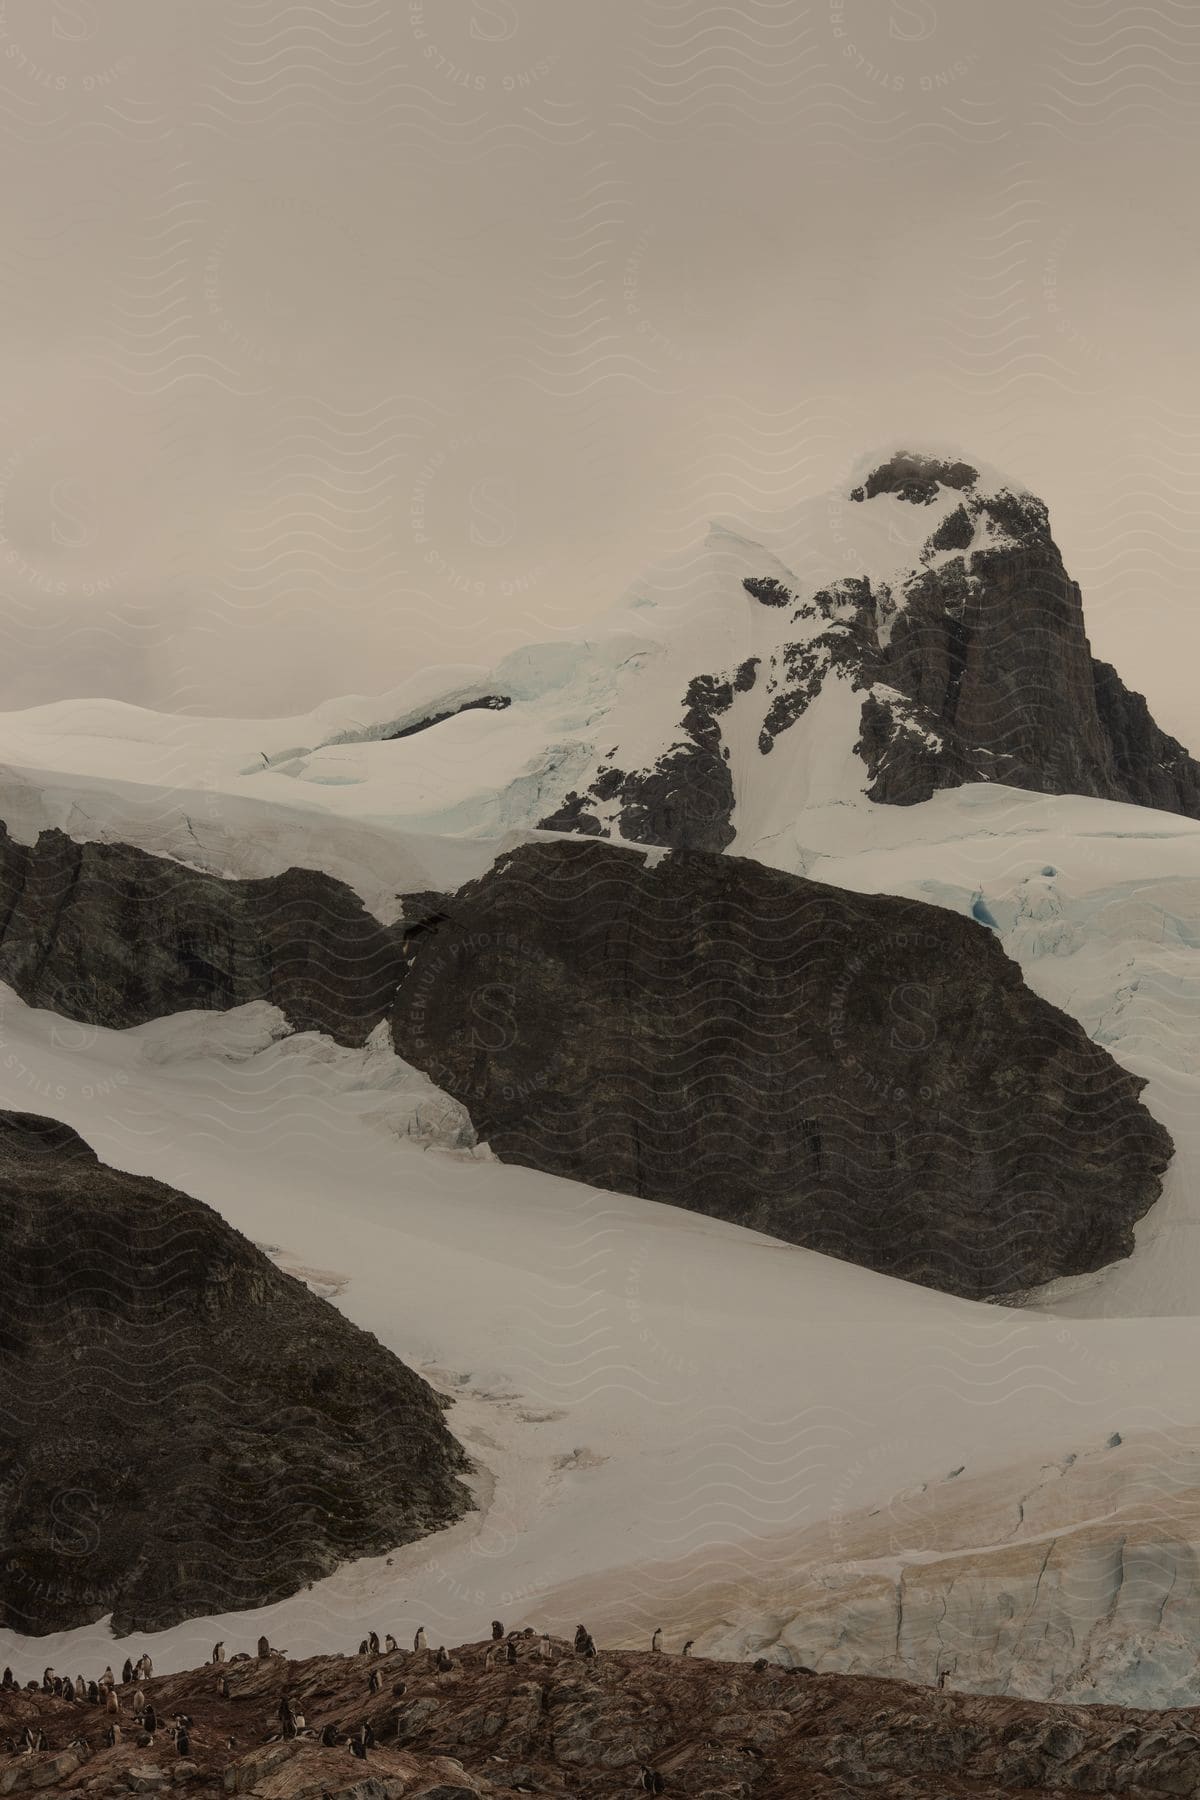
<point x="344" y="337"/>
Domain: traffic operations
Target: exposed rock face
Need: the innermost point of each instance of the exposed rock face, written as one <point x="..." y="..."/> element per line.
<point x="687" y="797"/>
<point x="914" y="478"/>
<point x="115" y="936"/>
<point x="1147" y="760"/>
<point x="485" y="703"/>
<point x="972" y="664"/>
<point x="992" y="656"/>
<point x="185" y="1428"/>
<point x="711" y="1730"/>
<point x="863" y="1075"/>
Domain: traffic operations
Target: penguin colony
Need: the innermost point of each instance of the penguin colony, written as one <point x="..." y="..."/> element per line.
<point x="139" y="1714"/>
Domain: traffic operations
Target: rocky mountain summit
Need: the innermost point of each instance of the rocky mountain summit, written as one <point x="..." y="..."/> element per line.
<point x="185" y="1429"/>
<point x="950" y="647"/>
<point x="620" y="1723"/>
<point x="913" y="630"/>
<point x="863" y="1075"/>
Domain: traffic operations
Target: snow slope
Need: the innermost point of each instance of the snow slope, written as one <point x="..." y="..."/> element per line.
<point x="638" y="1385"/>
<point x="481" y="772"/>
<point x="662" y="1406"/>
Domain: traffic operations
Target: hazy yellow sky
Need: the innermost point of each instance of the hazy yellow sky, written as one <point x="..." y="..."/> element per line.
<point x="347" y="336"/>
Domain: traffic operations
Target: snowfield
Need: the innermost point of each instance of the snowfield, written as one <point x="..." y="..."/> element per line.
<point x="671" y="1416"/>
<point x="674" y="1420"/>
<point x="654" y="1399"/>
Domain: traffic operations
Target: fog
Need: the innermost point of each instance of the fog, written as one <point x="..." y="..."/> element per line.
<point x="350" y="336"/>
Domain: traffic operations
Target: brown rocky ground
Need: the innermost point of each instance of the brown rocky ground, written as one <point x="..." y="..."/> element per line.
<point x="574" y="1727"/>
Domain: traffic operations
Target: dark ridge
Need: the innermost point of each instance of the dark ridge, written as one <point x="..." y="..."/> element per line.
<point x="115" y="936"/>
<point x="489" y="703"/>
<point x="768" y="591"/>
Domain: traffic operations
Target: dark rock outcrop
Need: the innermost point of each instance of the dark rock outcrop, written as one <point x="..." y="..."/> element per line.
<point x="864" y="1075"/>
<point x="184" y="1429"/>
<point x="710" y="1730"/>
<point x="915" y="478"/>
<point x="977" y="667"/>
<point x="1147" y="761"/>
<point x="115" y="936"/>
<point x="485" y="703"/>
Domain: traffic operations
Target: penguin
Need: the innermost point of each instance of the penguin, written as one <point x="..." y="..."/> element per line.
<point x="223" y="1686"/>
<point x="761" y="1663"/>
<point x="108" y="1679"/>
<point x="8" y="1682"/>
<point x="58" y="1687"/>
<point x="40" y="1742"/>
<point x="419" y="1639"/>
<point x="218" y="1654"/>
<point x="127" y="1672"/>
<point x="80" y="1688"/>
<point x="399" y="1688"/>
<point x="112" y="1701"/>
<point x="264" y="1647"/>
<point x="47" y="1681"/>
<point x="511" y="1652"/>
<point x="329" y="1736"/>
<point x="362" y="1648"/>
<point x="183" y="1743"/>
<point x="390" y="1644"/>
<point x="687" y="1648"/>
<point x="373" y="1643"/>
<point x="941" y="1680"/>
<point x="589" y="1647"/>
<point x="139" y="1703"/>
<point x="358" y="1748"/>
<point x="544" y="1650"/>
<point x="28" y="1740"/>
<point x="580" y="1637"/>
<point x="656" y="1640"/>
<point x="444" y="1661"/>
<point x="112" y="1736"/>
<point x="374" y="1684"/>
<point x="368" y="1736"/>
<point x="147" y="1667"/>
<point x="150" y="1721"/>
<point x="93" y="1693"/>
<point x="497" y="1630"/>
<point x="489" y="1657"/>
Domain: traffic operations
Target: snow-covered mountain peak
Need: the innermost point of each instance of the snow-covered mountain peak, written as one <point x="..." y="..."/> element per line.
<point x="912" y="630"/>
